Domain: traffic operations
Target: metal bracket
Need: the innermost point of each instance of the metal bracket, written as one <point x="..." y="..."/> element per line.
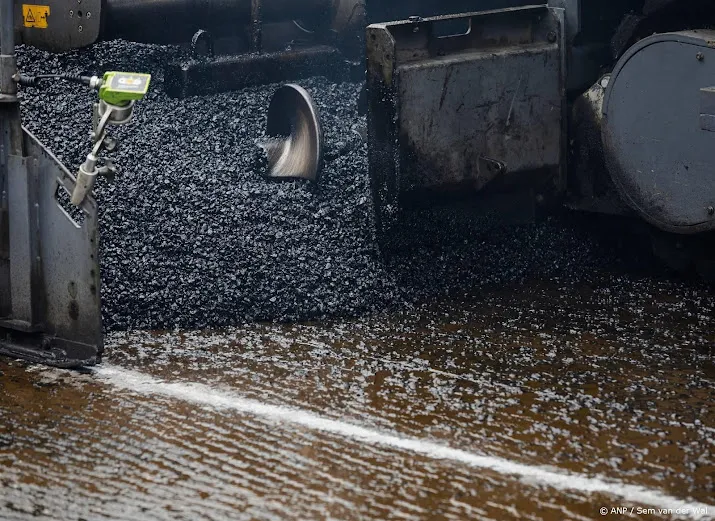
<point x="8" y="87"/>
<point x="25" y="287"/>
<point x="707" y="109"/>
<point x="256" y="25"/>
<point x="572" y="16"/>
<point x="202" y="45"/>
<point x="201" y="77"/>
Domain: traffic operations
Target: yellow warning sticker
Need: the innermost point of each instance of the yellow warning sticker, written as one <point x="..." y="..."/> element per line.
<point x="35" y="15"/>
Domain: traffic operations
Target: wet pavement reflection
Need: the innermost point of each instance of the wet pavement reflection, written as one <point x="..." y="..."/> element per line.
<point x="554" y="401"/>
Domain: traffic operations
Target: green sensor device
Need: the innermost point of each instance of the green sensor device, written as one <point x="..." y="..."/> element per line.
<point x="121" y="88"/>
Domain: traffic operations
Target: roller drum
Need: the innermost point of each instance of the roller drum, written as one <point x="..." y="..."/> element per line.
<point x="659" y="130"/>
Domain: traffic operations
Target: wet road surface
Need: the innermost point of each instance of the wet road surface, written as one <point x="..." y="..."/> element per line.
<point x="544" y="402"/>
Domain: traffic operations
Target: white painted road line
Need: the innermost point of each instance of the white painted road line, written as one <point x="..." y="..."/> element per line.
<point x="204" y="395"/>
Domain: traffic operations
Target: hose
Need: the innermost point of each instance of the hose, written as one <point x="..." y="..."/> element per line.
<point x="34" y="81"/>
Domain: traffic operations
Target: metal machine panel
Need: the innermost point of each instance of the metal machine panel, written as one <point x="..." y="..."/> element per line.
<point x="58" y="25"/>
<point x="656" y="135"/>
<point x="467" y="118"/>
<point x="23" y="241"/>
<point x="451" y="113"/>
<point x="69" y="252"/>
<point x="63" y="325"/>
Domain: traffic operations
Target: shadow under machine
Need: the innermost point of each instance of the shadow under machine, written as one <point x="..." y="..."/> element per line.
<point x="511" y="109"/>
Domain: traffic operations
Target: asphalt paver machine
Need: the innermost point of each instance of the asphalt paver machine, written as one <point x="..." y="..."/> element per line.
<point x="604" y="107"/>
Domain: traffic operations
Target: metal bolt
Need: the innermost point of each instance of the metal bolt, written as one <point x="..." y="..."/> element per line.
<point x="551" y="36"/>
<point x="79" y="28"/>
<point x="89" y="15"/>
<point x="71" y="13"/>
<point x="700" y="56"/>
<point x="711" y="210"/>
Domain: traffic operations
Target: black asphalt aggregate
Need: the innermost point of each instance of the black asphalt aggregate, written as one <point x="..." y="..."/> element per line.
<point x="193" y="235"/>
